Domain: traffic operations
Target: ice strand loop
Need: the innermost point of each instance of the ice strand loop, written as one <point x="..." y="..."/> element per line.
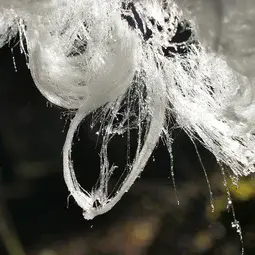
<point x="87" y="200"/>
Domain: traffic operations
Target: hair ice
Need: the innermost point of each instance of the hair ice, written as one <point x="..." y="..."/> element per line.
<point x="87" y="54"/>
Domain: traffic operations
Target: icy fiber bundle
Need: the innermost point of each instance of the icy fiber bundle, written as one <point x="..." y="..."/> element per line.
<point x="89" y="54"/>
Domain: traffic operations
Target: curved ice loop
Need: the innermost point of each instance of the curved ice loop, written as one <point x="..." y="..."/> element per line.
<point x="88" y="201"/>
<point x="156" y="104"/>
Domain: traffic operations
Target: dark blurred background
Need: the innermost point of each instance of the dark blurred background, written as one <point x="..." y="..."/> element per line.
<point x="35" y="220"/>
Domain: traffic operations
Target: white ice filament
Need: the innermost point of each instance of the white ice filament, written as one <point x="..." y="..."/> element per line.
<point x="87" y="54"/>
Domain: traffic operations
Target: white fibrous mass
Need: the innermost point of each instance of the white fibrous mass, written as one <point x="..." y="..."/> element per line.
<point x="143" y="63"/>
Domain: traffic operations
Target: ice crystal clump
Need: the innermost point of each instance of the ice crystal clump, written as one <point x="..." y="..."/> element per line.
<point x="87" y="54"/>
